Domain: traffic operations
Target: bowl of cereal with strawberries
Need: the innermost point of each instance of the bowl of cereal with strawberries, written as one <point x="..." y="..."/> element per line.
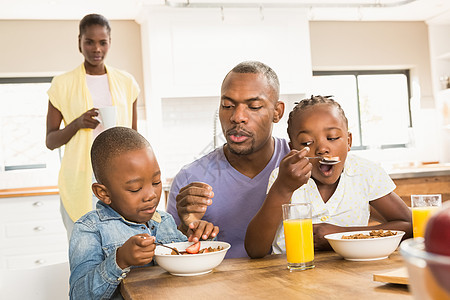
<point x="193" y="258"/>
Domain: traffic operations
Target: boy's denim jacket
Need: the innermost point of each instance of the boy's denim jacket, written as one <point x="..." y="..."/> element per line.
<point x="94" y="273"/>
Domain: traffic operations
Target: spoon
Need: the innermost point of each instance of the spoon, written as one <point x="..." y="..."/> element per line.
<point x="173" y="249"/>
<point x="326" y="161"/>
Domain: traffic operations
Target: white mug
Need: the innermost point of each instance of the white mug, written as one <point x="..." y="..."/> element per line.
<point x="108" y="116"/>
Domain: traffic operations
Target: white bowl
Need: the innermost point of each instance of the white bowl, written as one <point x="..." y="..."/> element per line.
<point x="429" y="273"/>
<point x="190" y="264"/>
<point x="364" y="249"/>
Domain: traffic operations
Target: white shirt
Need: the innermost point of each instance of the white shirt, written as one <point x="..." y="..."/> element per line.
<point x="98" y="86"/>
<point x="361" y="182"/>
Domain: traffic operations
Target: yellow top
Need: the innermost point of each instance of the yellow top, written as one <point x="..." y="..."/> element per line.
<point x="70" y="95"/>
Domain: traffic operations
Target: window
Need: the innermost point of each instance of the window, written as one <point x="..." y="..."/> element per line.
<point x="376" y="104"/>
<point x="23" y="110"/>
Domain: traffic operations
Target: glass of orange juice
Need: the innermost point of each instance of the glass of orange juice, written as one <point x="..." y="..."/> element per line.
<point x="423" y="206"/>
<point x="298" y="234"/>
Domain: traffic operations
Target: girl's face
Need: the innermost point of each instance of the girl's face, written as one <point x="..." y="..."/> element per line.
<point x="94" y="44"/>
<point x="323" y="129"/>
<point x="133" y="187"/>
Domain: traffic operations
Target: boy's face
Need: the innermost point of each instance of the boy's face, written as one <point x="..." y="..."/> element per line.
<point x="248" y="107"/>
<point x="323" y="129"/>
<point x="133" y="185"/>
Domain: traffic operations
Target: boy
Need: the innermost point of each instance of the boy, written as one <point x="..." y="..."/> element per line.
<point x="340" y="194"/>
<point x="121" y="232"/>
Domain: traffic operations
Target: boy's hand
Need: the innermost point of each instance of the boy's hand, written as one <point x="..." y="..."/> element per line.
<point x="192" y="202"/>
<point x="294" y="171"/>
<point x="138" y="250"/>
<point x="201" y="230"/>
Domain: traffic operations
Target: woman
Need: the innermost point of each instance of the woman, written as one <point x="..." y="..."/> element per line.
<point x="74" y="98"/>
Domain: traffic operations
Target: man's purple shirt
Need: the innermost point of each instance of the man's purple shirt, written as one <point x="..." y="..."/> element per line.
<point x="237" y="198"/>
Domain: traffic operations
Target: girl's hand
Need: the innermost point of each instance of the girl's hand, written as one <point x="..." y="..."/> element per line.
<point x="294" y="171"/>
<point x="138" y="250"/>
<point x="88" y="120"/>
<point x="201" y="230"/>
<point x="321" y="230"/>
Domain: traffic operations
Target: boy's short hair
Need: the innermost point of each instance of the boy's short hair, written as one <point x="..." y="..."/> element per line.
<point x="111" y="143"/>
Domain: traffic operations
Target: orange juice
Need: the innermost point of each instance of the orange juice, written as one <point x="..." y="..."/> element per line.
<point x="298" y="235"/>
<point x="420" y="216"/>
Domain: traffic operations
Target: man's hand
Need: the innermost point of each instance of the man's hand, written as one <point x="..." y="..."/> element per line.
<point x="201" y="230"/>
<point x="192" y="202"/>
<point x="138" y="250"/>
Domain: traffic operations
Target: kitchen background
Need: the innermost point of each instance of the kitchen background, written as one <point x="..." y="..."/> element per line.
<point x="180" y="51"/>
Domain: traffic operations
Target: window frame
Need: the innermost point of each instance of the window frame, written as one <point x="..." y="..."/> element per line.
<point x="20" y="80"/>
<point x="356" y="73"/>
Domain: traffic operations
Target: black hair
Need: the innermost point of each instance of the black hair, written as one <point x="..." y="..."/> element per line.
<point x="314" y="100"/>
<point x="256" y="67"/>
<point x="93" y="19"/>
<point x="111" y="143"/>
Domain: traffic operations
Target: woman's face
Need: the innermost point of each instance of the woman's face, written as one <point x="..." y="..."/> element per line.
<point x="323" y="129"/>
<point x="94" y="44"/>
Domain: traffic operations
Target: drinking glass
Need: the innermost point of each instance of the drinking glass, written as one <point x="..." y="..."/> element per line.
<point x="423" y="206"/>
<point x="298" y="234"/>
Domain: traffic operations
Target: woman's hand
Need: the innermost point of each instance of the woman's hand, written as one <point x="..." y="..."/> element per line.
<point x="88" y="119"/>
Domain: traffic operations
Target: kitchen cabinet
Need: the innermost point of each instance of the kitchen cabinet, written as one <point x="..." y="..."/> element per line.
<point x="422" y="180"/>
<point x="32" y="233"/>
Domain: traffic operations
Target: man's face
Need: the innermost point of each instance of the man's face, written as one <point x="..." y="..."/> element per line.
<point x="248" y="107"/>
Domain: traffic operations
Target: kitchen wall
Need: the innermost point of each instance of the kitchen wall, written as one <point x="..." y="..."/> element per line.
<point x="48" y="48"/>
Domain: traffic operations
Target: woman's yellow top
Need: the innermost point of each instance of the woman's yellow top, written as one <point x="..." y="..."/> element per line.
<point x="70" y="95"/>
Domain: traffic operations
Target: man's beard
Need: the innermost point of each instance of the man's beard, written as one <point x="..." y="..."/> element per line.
<point x="239" y="151"/>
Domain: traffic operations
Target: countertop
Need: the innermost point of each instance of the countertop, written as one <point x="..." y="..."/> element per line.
<point x="29" y="191"/>
<point x="420" y="170"/>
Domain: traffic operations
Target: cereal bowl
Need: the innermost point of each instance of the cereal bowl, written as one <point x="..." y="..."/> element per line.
<point x="364" y="249"/>
<point x="429" y="273"/>
<point x="190" y="264"/>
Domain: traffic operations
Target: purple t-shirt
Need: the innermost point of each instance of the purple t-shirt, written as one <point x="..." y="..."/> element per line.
<point x="237" y="198"/>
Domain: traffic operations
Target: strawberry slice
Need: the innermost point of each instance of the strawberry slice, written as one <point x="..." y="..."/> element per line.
<point x="194" y="248"/>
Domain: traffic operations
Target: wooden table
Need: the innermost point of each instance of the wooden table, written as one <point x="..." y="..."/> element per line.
<point x="268" y="278"/>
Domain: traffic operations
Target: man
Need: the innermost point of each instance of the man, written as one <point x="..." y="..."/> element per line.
<point x="228" y="186"/>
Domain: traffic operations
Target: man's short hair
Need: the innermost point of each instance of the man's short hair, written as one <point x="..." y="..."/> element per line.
<point x="111" y="143"/>
<point x="256" y="67"/>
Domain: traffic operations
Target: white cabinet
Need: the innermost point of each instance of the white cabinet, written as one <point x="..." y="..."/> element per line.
<point x="32" y="233"/>
<point x="191" y="51"/>
<point x="440" y="64"/>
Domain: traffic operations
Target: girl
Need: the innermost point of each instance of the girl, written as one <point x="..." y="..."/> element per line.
<point x="340" y="194"/>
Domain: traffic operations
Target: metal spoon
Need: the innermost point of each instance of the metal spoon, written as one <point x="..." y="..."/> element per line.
<point x="325" y="161"/>
<point x="174" y="249"/>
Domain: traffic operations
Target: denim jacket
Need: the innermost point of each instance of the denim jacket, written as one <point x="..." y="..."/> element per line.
<point x="94" y="273"/>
